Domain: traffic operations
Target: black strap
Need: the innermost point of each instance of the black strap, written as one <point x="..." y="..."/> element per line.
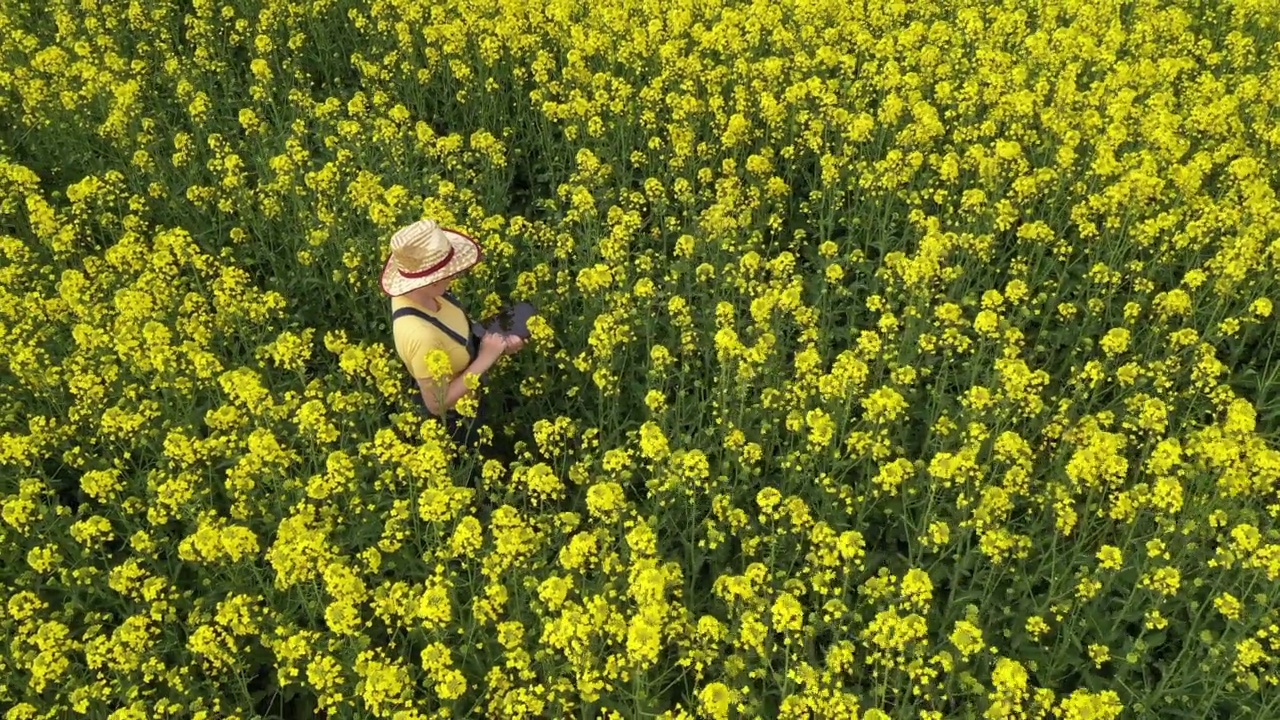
<point x="415" y="312"/>
<point x="454" y="301"/>
<point x="473" y="346"/>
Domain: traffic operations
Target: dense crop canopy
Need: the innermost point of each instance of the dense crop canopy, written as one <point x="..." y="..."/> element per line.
<point x="895" y="360"/>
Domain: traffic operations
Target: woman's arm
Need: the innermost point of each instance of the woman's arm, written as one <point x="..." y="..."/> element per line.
<point x="442" y="398"/>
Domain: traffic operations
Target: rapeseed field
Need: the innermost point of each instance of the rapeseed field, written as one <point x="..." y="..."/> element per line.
<point x="893" y="360"/>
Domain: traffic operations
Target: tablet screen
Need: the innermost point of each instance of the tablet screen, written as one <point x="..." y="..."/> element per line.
<point x="509" y="321"/>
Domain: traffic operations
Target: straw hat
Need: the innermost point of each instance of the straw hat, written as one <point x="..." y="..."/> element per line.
<point x="424" y="253"/>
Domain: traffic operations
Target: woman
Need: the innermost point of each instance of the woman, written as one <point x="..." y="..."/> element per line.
<point x="425" y="258"/>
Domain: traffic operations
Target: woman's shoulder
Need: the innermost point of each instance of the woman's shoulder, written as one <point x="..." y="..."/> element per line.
<point x="401" y="303"/>
<point x="420" y="323"/>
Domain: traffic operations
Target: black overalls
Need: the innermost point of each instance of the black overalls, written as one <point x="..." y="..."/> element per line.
<point x="463" y="430"/>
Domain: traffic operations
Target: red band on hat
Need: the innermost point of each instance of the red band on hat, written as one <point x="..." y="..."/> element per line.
<point x="433" y="268"/>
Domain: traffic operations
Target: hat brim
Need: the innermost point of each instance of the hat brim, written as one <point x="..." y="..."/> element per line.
<point x="466" y="254"/>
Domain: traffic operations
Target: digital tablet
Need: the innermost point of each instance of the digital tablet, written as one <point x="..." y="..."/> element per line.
<point x="513" y="320"/>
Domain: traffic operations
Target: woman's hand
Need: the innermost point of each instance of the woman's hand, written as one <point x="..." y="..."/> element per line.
<point x="513" y="343"/>
<point x="492" y="346"/>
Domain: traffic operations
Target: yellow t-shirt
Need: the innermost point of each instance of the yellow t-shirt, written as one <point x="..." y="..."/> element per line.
<point x="415" y="337"/>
